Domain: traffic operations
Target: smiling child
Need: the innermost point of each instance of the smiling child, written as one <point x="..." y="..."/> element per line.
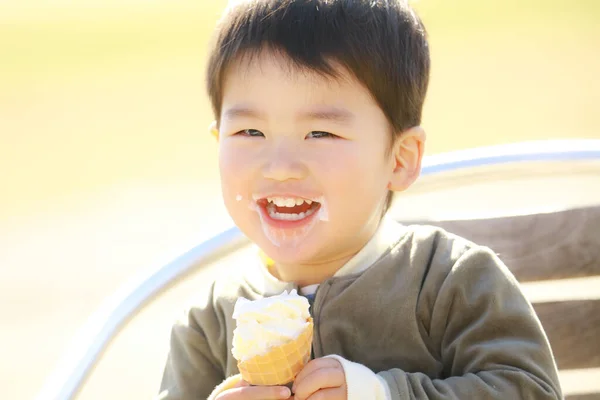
<point x="318" y="108"/>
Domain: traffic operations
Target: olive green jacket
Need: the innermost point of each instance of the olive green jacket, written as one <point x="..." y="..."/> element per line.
<point x="435" y="317"/>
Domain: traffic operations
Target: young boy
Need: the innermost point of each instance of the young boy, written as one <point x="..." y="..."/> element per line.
<point x="318" y="106"/>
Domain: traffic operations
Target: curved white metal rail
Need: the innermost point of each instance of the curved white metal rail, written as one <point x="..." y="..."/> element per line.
<point x="72" y="372"/>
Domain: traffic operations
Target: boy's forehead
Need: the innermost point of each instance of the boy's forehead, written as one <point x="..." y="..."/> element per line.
<point x="273" y="65"/>
<point x="271" y="81"/>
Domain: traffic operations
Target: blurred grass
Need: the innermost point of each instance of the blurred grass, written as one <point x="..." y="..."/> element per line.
<point x="56" y="43"/>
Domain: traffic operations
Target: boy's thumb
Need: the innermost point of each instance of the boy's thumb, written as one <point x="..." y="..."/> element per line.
<point x="232" y="382"/>
<point x="241" y="383"/>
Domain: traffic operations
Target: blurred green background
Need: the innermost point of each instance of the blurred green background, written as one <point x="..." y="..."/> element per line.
<point x="107" y="166"/>
<point x="100" y="92"/>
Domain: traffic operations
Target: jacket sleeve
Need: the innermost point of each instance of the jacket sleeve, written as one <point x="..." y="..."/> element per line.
<point x="491" y="343"/>
<point x="193" y="368"/>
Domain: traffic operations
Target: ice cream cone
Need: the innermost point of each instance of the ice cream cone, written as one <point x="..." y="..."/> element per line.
<point x="280" y="364"/>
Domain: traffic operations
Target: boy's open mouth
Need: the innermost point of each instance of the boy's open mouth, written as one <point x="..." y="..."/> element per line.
<point x="289" y="208"/>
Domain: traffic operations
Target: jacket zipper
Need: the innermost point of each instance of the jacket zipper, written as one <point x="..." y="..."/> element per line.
<point x="316" y="311"/>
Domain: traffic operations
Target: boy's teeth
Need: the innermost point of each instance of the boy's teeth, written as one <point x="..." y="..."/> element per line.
<point x="288" y="201"/>
<point x="288" y="216"/>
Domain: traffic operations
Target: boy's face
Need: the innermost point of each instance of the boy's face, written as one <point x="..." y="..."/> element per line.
<point x="287" y="136"/>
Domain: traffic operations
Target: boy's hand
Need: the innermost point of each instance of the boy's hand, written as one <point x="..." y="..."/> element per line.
<point x="321" y="379"/>
<point x="243" y="391"/>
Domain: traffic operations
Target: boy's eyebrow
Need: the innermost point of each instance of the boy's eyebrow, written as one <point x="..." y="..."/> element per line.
<point x="335" y="114"/>
<point x="242" y="111"/>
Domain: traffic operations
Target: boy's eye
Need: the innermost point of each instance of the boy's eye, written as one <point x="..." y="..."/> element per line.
<point x="250" y="133"/>
<point x="319" y="135"/>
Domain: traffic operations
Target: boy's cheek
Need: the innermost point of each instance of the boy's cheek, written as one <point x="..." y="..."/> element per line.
<point x="234" y="172"/>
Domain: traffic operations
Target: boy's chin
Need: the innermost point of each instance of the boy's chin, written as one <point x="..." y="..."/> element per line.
<point x="289" y="252"/>
<point x="290" y="245"/>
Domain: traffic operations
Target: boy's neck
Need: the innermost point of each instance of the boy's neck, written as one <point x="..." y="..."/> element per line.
<point x="310" y="274"/>
<point x="370" y="248"/>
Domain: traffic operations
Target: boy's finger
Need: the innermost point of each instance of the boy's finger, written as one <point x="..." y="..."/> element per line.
<point x="323" y="378"/>
<point x="314" y="365"/>
<point x="256" y="393"/>
<point x="330" y="394"/>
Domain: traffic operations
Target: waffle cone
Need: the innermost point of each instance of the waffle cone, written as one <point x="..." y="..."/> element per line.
<point x="280" y="364"/>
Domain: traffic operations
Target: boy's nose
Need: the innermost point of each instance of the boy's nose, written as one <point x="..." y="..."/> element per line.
<point x="284" y="164"/>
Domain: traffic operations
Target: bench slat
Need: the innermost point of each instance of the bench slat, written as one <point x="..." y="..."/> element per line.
<point x="590" y="396"/>
<point x="557" y="245"/>
<point x="573" y="328"/>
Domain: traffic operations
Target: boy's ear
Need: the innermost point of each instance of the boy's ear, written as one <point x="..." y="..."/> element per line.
<point x="408" y="152"/>
<point x="214" y="130"/>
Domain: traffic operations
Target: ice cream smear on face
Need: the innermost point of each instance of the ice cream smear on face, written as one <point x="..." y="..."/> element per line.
<point x="269" y="322"/>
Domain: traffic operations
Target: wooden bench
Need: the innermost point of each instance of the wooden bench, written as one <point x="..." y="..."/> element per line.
<point x="556" y="258"/>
